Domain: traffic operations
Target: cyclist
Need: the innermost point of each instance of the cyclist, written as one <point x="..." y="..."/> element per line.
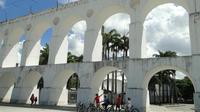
<point x="105" y="103"/>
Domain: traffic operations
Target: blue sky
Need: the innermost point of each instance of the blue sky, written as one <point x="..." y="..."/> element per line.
<point x="14" y="8"/>
<point x="10" y="9"/>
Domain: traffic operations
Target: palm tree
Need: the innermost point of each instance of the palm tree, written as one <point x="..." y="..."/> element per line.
<point x="44" y="55"/>
<point x="73" y="58"/>
<point x="167" y="78"/>
<point x="109" y="42"/>
<point x="125" y="41"/>
<point x="116" y="42"/>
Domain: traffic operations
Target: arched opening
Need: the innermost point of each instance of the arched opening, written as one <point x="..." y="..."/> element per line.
<point x="64" y="88"/>
<point x="6" y="87"/>
<point x="166" y="28"/>
<point x="110" y="82"/>
<point x="76" y="42"/>
<point x="171" y="87"/>
<point x="10" y="47"/>
<point x="115" y="37"/>
<point x="29" y="87"/>
<point x="44" y="42"/>
<point x="73" y="84"/>
<point x="31" y="53"/>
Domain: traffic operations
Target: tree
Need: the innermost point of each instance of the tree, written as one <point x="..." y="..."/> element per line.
<point x="125" y="42"/>
<point x="167" y="79"/>
<point x="73" y="58"/>
<point x="185" y="88"/>
<point x="44" y="55"/>
<point x="73" y="82"/>
<point x="112" y="41"/>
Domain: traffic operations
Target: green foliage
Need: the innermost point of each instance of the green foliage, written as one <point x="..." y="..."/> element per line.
<point x="114" y="43"/>
<point x="185" y="87"/>
<point x="40" y="83"/>
<point x="44" y="55"/>
<point x="73" y="82"/>
<point x="73" y="58"/>
<point x="165" y="77"/>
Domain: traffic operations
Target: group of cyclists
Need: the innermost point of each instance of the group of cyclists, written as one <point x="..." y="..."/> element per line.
<point x="118" y="102"/>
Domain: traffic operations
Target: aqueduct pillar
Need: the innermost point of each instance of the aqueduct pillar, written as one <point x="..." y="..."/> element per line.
<point x="136" y="33"/>
<point x="31" y="49"/>
<point x="92" y="43"/>
<point x="58" y="46"/>
<point x="196" y="81"/>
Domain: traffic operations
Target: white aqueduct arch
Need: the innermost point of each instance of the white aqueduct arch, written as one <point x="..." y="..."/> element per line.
<point x="95" y="14"/>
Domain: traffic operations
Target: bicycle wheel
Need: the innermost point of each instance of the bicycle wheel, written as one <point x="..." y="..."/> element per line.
<point x="135" y="110"/>
<point x="111" y="109"/>
<point x="91" y="109"/>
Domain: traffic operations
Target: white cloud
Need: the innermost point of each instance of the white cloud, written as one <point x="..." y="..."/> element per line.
<point x="75" y="46"/>
<point x="167" y="28"/>
<point x="2" y="3"/>
<point x="66" y="1"/>
<point x="76" y="38"/>
<point x="113" y="23"/>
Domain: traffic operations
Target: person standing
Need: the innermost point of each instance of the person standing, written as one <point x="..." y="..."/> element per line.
<point x="32" y="99"/>
<point x="118" y="102"/>
<point x="97" y="100"/>
<point x="35" y="100"/>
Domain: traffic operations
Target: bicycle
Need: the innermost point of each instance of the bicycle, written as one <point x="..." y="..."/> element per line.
<point x="93" y="108"/>
<point x="81" y="107"/>
<point x="111" y="108"/>
<point x="132" y="109"/>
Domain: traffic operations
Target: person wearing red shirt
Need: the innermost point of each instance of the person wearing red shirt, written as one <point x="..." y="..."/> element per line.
<point x="97" y="100"/>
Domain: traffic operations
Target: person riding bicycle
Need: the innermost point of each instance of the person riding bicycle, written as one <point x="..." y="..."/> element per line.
<point x="105" y="103"/>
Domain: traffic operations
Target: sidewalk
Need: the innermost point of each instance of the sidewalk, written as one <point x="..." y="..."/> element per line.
<point x="66" y="108"/>
<point x="172" y="108"/>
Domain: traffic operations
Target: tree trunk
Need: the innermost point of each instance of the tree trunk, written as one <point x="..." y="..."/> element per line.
<point x="116" y="82"/>
<point x="123" y="87"/>
<point x="108" y="82"/>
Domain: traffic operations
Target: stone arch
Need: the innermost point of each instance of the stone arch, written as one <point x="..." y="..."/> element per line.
<point x="93" y="51"/>
<point x="29" y="86"/>
<point x="60" y="38"/>
<point x="59" y="93"/>
<point x="156" y="69"/>
<point x="107" y="12"/>
<point x="32" y="45"/>
<point x="151" y="4"/>
<point x="9" y="55"/>
<point x="69" y="81"/>
<point x="99" y="76"/>
<point x="165" y="33"/>
<point x="7" y="83"/>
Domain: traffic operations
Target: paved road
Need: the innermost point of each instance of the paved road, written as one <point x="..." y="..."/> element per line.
<point x="153" y="108"/>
